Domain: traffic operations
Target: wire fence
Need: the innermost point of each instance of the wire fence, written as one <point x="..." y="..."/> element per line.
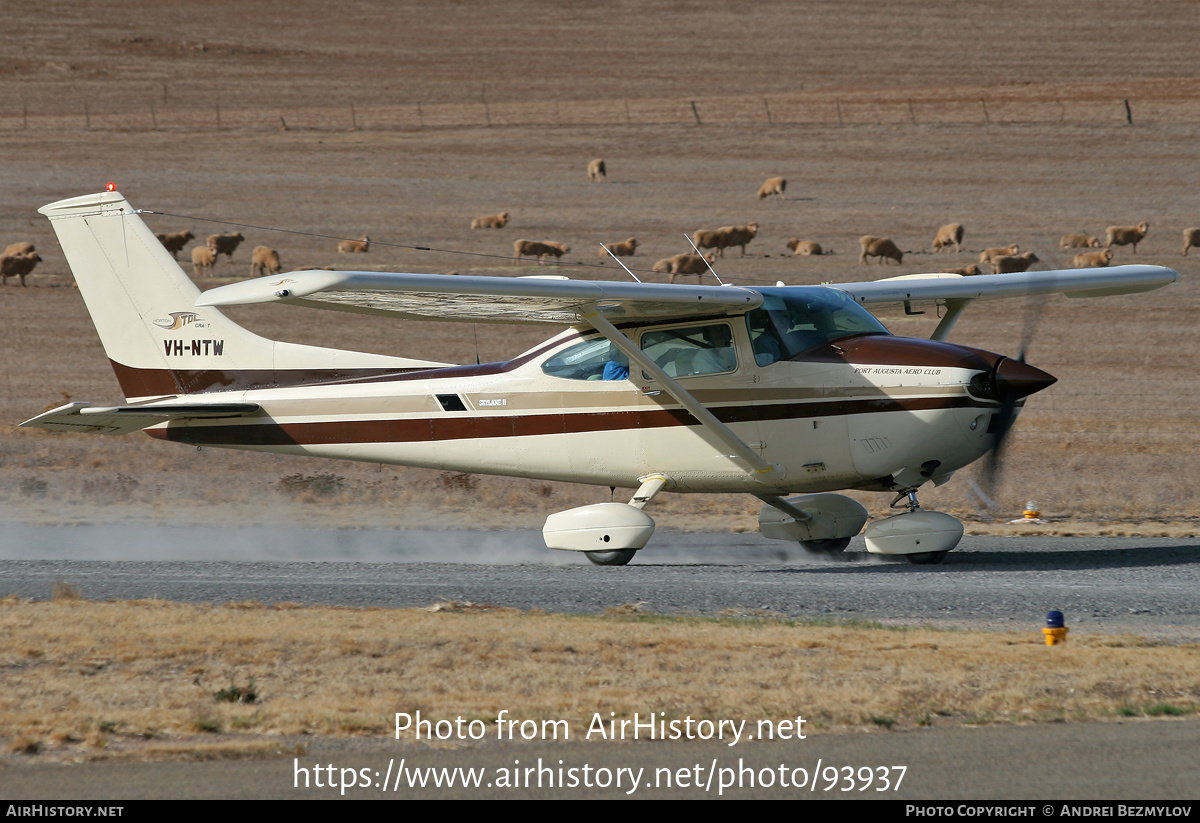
<point x="859" y="109"/>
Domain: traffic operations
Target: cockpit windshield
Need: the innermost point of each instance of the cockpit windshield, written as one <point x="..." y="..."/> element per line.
<point x="792" y="321"/>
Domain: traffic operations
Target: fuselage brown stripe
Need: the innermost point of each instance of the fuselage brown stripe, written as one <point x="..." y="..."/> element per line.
<point x="487" y="426"/>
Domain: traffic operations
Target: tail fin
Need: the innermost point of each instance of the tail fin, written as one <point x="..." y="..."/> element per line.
<point x="143" y="306"/>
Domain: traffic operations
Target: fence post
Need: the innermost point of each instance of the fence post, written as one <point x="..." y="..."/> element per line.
<point x="87" y="116"/>
<point x="695" y="113"/>
<point x="986" y="117"/>
<point x="767" y="105"/>
<point x="838" y="103"/>
<point x="1128" y="113"/>
<point x="153" y="116"/>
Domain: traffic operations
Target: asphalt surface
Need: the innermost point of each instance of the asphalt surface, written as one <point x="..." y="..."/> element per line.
<point x="1106" y="584"/>
<point x="1152" y="761"/>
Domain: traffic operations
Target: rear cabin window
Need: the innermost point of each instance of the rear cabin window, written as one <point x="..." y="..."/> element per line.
<point x="693" y="350"/>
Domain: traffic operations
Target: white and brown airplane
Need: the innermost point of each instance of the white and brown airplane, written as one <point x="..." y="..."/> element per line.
<point x="786" y="393"/>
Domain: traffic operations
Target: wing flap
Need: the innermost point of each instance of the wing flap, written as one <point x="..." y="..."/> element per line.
<point x="83" y="417"/>
<point x="476" y="299"/>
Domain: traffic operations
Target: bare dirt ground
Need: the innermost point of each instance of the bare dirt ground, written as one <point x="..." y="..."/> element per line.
<point x="403" y="122"/>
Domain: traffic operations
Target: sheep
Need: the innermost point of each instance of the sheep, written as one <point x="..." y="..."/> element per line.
<point x="203" y="259"/>
<point x="951" y="233"/>
<point x="491" y="221"/>
<point x="687" y="264"/>
<point x="1011" y="264"/>
<point x="1126" y="235"/>
<point x="360" y="246"/>
<point x="17" y="265"/>
<point x="1092" y="259"/>
<point x="1191" y="237"/>
<point x="1078" y="241"/>
<point x="724" y="237"/>
<point x="597" y="172"/>
<point x="626" y="248"/>
<point x="225" y="244"/>
<point x="880" y="247"/>
<point x="707" y="238"/>
<point x="175" y="242"/>
<point x="730" y="236"/>
<point x="773" y="188"/>
<point x="532" y="248"/>
<point x="264" y="261"/>
<point x="19" y="248"/>
<point x="990" y="255"/>
<point x="805" y="247"/>
<point x="966" y="271"/>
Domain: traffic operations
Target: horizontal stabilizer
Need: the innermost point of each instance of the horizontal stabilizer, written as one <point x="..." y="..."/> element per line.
<point x="83" y="417"/>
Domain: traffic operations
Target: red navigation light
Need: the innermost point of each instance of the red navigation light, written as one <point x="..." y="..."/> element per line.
<point x="111" y="187"/>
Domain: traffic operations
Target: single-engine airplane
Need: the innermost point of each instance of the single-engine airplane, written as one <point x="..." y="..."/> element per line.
<point x="788" y="393"/>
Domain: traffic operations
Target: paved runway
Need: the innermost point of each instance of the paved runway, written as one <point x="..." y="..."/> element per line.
<point x="1101" y="584"/>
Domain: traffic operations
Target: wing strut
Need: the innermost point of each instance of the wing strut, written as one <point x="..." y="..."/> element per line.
<point x="954" y="309"/>
<point x="769" y="473"/>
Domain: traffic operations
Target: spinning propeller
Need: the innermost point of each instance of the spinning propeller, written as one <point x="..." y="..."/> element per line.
<point x="1009" y="382"/>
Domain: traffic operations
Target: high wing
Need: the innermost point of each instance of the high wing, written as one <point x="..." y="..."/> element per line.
<point x="473" y="299"/>
<point x="83" y="417"/>
<point x="559" y="301"/>
<point x="954" y="288"/>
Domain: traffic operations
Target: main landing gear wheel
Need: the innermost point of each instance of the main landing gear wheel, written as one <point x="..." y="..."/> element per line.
<point x="617" y="557"/>
<point x="926" y="558"/>
<point x="828" y="546"/>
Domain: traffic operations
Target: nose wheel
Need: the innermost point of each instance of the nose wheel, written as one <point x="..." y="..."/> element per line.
<point x="922" y="536"/>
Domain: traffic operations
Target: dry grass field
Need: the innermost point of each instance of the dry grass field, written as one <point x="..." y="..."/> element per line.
<point x="116" y="680"/>
<point x="404" y="121"/>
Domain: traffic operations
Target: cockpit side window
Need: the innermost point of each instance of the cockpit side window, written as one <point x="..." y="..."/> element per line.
<point x="693" y="350"/>
<point x="786" y="326"/>
<point x="590" y="360"/>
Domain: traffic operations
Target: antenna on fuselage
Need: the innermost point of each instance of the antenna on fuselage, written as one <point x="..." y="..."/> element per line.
<point x="619" y="263"/>
<point x="705" y="259"/>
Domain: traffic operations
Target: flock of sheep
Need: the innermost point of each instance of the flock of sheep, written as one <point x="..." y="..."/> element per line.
<point x="1003" y="259"/>
<point x="19" y="259"/>
<point x="264" y="260"/>
<point x="1009" y="259"/>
